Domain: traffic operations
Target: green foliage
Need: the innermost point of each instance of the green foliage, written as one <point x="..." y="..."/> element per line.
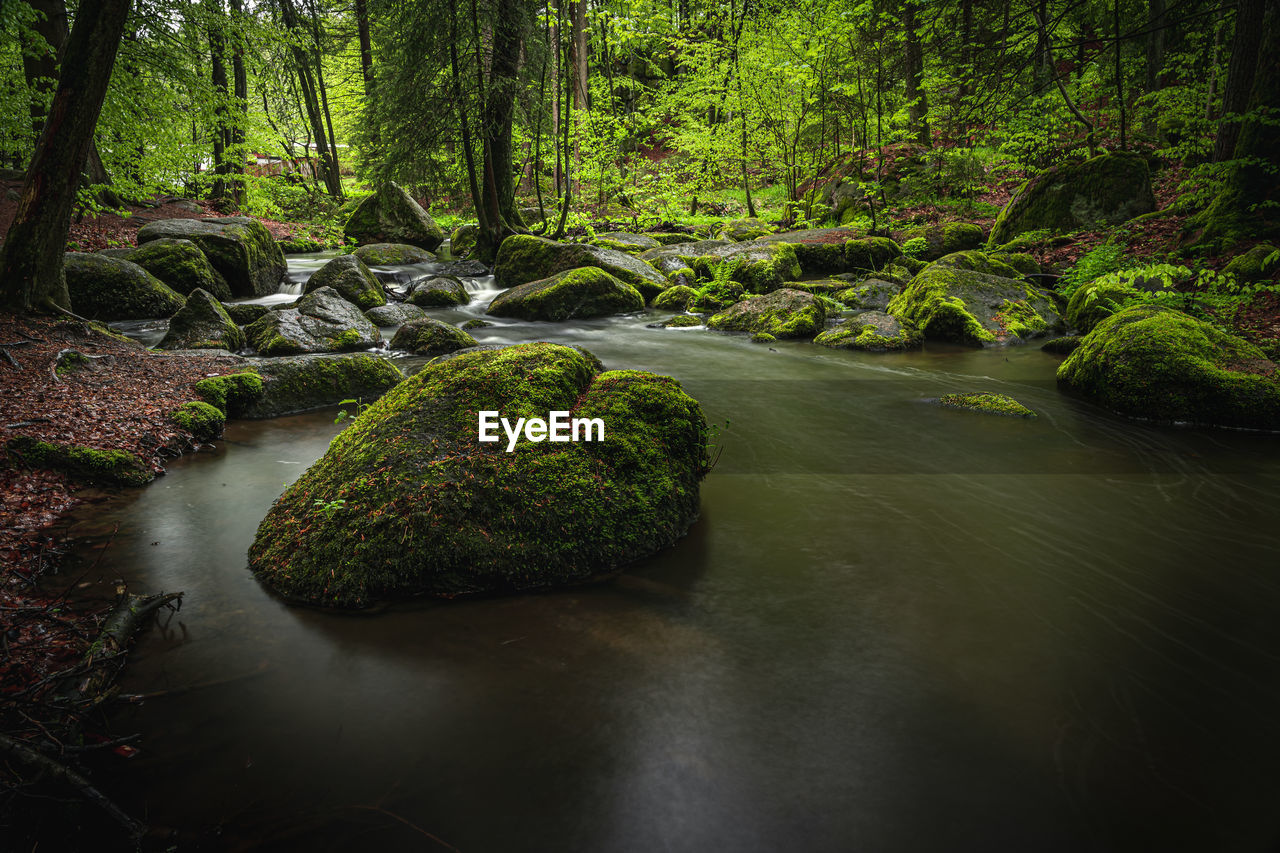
<point x="1107" y="258"/>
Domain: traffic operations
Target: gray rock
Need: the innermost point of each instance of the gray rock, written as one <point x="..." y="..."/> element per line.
<point x="392" y="216"/>
<point x="181" y="265"/>
<point x="105" y="288"/>
<point x="524" y="258"/>
<point x="238" y="247"/>
<point x="438" y="291"/>
<point x="426" y="336"/>
<point x="202" y="323"/>
<point x="394" y="313"/>
<point x="322" y="322"/>
<point x="348" y="275"/>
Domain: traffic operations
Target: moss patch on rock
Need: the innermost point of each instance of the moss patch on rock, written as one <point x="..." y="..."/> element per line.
<point x="243" y="313"/>
<point x="1152" y="362"/>
<point x="675" y="298"/>
<point x="1256" y="264"/>
<point x="947" y="237"/>
<point x="322" y="322"/>
<point x="181" y="265"/>
<point x="238" y="247"/>
<point x="202" y="323"/>
<point x="353" y="281"/>
<point x="111" y="467"/>
<point x="438" y="291"/>
<point x="301" y="383"/>
<point x="1064" y="345"/>
<point x="391" y="215"/>
<point x="428" y="509"/>
<point x="426" y="336"/>
<point x="872" y="331"/>
<point x="232" y="393"/>
<point x="201" y="419"/>
<point x="523" y="258"/>
<point x="987" y="404"/>
<point x="573" y="294"/>
<point x="783" y="313"/>
<point x="392" y="254"/>
<point x="104" y="288"/>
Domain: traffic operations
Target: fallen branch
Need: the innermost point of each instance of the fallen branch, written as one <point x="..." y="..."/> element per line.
<point x="121" y="624"/>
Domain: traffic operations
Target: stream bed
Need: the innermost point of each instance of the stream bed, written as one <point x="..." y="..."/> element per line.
<point x="894" y="628"/>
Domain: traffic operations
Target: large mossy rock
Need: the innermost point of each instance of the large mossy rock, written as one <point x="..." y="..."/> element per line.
<point x="181" y="265"/>
<point x="819" y="250"/>
<point x="1258" y="263"/>
<point x="624" y="241"/>
<point x="392" y="254"/>
<point x="758" y="266"/>
<point x="353" y="281"/>
<point x="948" y="237"/>
<point x="741" y="230"/>
<point x="1106" y="190"/>
<point x="523" y="258"/>
<point x="1152" y="362"/>
<point x="301" y="383"/>
<point x="426" y="336"/>
<point x="1097" y="300"/>
<point x="870" y="294"/>
<point x="969" y="299"/>
<point x="202" y="323"/>
<point x="574" y="294"/>
<point x="103" y="288"/>
<point x="438" y="291"/>
<point x="428" y="509"/>
<point x="392" y="216"/>
<point x="673" y="258"/>
<point x="783" y="313"/>
<point x="872" y="331"/>
<point x="238" y="247"/>
<point x="322" y="322"/>
<point x="394" y="313"/>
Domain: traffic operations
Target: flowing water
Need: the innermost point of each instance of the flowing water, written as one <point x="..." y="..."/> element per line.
<point x="894" y="628"/>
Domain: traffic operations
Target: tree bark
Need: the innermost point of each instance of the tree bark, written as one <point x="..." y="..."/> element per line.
<point x="498" y="192"/>
<point x="366" y="45"/>
<point x="221" y="123"/>
<point x="311" y="105"/>
<point x="1155" y="44"/>
<point x="240" y="82"/>
<point x="31" y="275"/>
<point x="1240" y="73"/>
<point x="917" y="105"/>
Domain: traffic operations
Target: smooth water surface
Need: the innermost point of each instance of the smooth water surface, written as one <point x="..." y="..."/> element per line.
<point x="894" y="628"/>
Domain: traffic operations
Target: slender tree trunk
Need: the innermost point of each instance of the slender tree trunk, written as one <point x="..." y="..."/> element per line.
<point x="1155" y="44"/>
<point x="1042" y="60"/>
<point x="240" y="82"/>
<point x="498" y="191"/>
<point x="553" y="45"/>
<point x="31" y="275"/>
<point x="1240" y="74"/>
<point x="1214" y="58"/>
<point x="366" y="45"/>
<point x="464" y="128"/>
<point x="917" y="105"/>
<point x="222" y="121"/>
<point x="311" y="104"/>
<point x="40" y="62"/>
<point x="1120" y="104"/>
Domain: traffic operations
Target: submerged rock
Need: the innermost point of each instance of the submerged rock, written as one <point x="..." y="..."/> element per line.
<point x="573" y="294"/>
<point x="675" y="298"/>
<point x="783" y="313"/>
<point x="392" y="254"/>
<point x="104" y="288"/>
<point x="322" y="322"/>
<point x="426" y="336"/>
<point x="523" y="258"/>
<point x="1153" y="362"/>
<point x="202" y="323"/>
<point x="425" y="508"/>
<point x="988" y="404"/>
<point x="392" y="216"/>
<point x="238" y="247"/>
<point x="872" y="331"/>
<point x="353" y="281"/>
<point x="181" y="265"/>
<point x="1106" y="190"/>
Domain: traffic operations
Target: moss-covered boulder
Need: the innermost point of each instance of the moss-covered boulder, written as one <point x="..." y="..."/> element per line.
<point x="202" y="323"/>
<point x="673" y="259"/>
<point x="438" y="291"/>
<point x="676" y="298"/>
<point x="302" y="383"/>
<point x="1093" y="302"/>
<point x="426" y="508"/>
<point x="783" y="313"/>
<point x="103" y="288"/>
<point x="819" y="250"/>
<point x="88" y="464"/>
<point x="232" y="393"/>
<point x="1149" y="361"/>
<point x="462" y="242"/>
<point x="680" y="321"/>
<point x="322" y="322"/>
<point x="523" y="258"/>
<point x="759" y="267"/>
<point x="353" y="281"/>
<point x="181" y="265"/>
<point x="238" y="247"/>
<point x="573" y="294"/>
<point x="741" y="230"/>
<point x="394" y="313"/>
<point x="632" y="244"/>
<point x="970" y="306"/>
<point x="987" y="404"/>
<point x="870" y="294"/>
<point x="871" y="254"/>
<point x="392" y="216"/>
<point x="1064" y="345"/>
<point x="299" y="245"/>
<point x="426" y="336"/>
<point x="475" y="323"/>
<point x="392" y="254"/>
<point x="872" y="331"/>
<point x="244" y="313"/>
<point x="1106" y="190"/>
<point x="1020" y="261"/>
<point x="1258" y="263"/>
<point x="947" y="237"/>
<point x="201" y="419"/>
<point x="824" y="286"/>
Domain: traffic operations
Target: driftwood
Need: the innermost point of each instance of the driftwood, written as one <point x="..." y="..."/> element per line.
<point x="124" y="620"/>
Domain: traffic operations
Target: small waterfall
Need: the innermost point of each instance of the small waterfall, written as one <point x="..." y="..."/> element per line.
<point x="292" y="288"/>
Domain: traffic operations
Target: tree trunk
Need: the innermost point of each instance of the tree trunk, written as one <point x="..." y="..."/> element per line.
<point x="221" y="123"/>
<point x="240" y="82"/>
<point x="40" y="62"/>
<point x="498" y="192"/>
<point x="1240" y="74"/>
<point x="1124" y="118"/>
<point x="366" y="45"/>
<point x="1155" y="44"/>
<point x="311" y="105"/>
<point x="917" y="106"/>
<point x="31" y="275"/>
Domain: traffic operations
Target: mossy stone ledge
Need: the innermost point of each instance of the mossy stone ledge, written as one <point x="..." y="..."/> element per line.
<point x="104" y="288"/>
<point x="408" y="502"/>
<point x="573" y="294"/>
<point x="392" y="254"/>
<point x="987" y="404"/>
<point x="88" y="464"/>
<point x="523" y="258"/>
<point x="783" y="313"/>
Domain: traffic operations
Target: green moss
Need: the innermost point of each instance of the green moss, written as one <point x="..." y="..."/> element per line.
<point x="1152" y="362"/>
<point x="579" y="293"/>
<point x="759" y="267"/>
<point x="430" y="510"/>
<point x="783" y="313"/>
<point x="242" y="314"/>
<point x="298" y="384"/>
<point x="1098" y="300"/>
<point x="675" y="298"/>
<point x="475" y="323"/>
<point x="990" y="404"/>
<point x="954" y="302"/>
<point x="1023" y="263"/>
<point x="1062" y="346"/>
<point x="935" y="241"/>
<point x="200" y="419"/>
<point x="299" y="246"/>
<point x="762" y="338"/>
<point x="430" y="337"/>
<point x="682" y="321"/>
<point x="1256" y="264"/>
<point x="231" y="393"/>
<point x="871" y="254"/>
<point x="182" y="266"/>
<point x="872" y="331"/>
<point x="392" y="254"/>
<point x="115" y="467"/>
<point x="103" y="288"/>
<point x="354" y="282"/>
<point x="523" y="258"/>
<point x="440" y="291"/>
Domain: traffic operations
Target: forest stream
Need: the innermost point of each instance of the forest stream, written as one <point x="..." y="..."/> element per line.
<point x="895" y="627"/>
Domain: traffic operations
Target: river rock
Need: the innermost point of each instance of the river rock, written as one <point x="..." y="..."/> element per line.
<point x="426" y="336"/>
<point x="181" y="265"/>
<point x="202" y="323"/>
<point x="987" y="404"/>
<point x="244" y="313"/>
<point x="675" y="298"/>
<point x="871" y="294"/>
<point x="1097" y="300"/>
<point x="819" y="250"/>
<point x="394" y="313"/>
<point x="238" y="247"/>
<point x="392" y="254"/>
<point x="430" y="510"/>
<point x="760" y="267"/>
<point x="322" y="322"/>
<point x="672" y="259"/>
<point x="741" y="230"/>
<point x="301" y="383"/>
<point x="624" y="242"/>
<point x="1152" y="362"/>
<point x="573" y="294"/>
<point x="461" y="269"/>
<point x="438" y="291"/>
<point x="523" y="258"/>
<point x="348" y="275"/>
<point x="783" y="313"/>
<point x="391" y="215"/>
<point x="1106" y="190"/>
<point x="462" y="242"/>
<point x="947" y="237"/>
<point x="872" y="331"/>
<point x="104" y="288"/>
<point x="970" y="299"/>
